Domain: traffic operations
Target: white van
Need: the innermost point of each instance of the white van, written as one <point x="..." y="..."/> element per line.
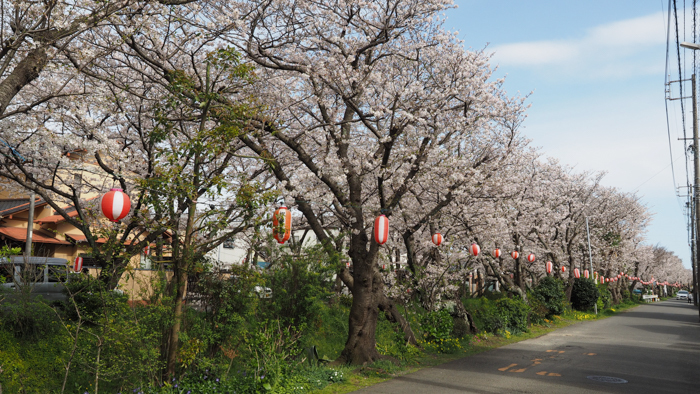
<point x="45" y="276"/>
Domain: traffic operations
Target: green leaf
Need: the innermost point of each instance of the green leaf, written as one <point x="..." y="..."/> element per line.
<point x="267" y="386"/>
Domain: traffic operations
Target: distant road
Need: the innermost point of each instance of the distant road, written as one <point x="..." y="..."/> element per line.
<point x="655" y="348"/>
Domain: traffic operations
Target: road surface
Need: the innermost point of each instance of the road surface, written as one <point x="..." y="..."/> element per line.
<point x="652" y="348"/>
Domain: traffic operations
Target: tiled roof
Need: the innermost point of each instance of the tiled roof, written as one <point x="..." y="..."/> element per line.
<point x="11" y="206"/>
<point x="57" y="218"/>
<point x="20" y="234"/>
<point x="83" y="238"/>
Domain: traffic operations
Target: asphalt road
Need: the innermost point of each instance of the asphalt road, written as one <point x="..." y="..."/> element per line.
<point x="652" y="348"/>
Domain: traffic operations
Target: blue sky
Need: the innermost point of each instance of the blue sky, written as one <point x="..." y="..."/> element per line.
<point x="596" y="70"/>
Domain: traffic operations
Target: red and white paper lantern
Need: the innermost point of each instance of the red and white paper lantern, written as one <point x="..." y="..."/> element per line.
<point x="577" y="273"/>
<point x="381" y="229"/>
<point x="437" y="239"/>
<point x="585" y="274"/>
<point x="563" y="269"/>
<point x="147" y="250"/>
<point x="602" y="280"/>
<point x="115" y="205"/>
<point x="474" y="250"/>
<point x="550" y="266"/>
<point x="496" y="253"/>
<point x="514" y="254"/>
<point x="531" y="257"/>
<point x="78" y="266"/>
<point x="282" y="225"/>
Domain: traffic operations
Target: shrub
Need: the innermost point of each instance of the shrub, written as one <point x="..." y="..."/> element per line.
<point x="605" y="299"/>
<point x="538" y="311"/>
<point x="626" y="295"/>
<point x="92" y="298"/>
<point x="514" y="313"/>
<point x="584" y="295"/>
<point x="550" y="291"/>
<point x="27" y="317"/>
<point x="498" y="316"/>
<point x="436" y="325"/>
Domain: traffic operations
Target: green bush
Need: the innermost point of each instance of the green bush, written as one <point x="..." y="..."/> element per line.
<point x="514" y="313"/>
<point x="299" y="288"/>
<point x="605" y="299"/>
<point x="436" y="325"/>
<point x="626" y="295"/>
<point x="538" y="310"/>
<point x="28" y="317"/>
<point x="550" y="291"/>
<point x="503" y="314"/>
<point x="584" y="294"/>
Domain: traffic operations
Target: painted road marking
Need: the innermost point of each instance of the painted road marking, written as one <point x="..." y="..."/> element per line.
<point x="507" y="368"/>
<point x="545" y="373"/>
<point x="518" y="370"/>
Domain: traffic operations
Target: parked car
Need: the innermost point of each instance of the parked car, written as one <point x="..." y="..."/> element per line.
<point x="43" y="276"/>
<point x="682" y="295"/>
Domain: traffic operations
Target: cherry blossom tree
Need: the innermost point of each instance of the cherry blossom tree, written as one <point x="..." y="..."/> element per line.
<point x="368" y="104"/>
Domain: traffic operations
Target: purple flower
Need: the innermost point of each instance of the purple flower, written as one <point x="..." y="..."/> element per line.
<point x="175" y="385"/>
<point x="262" y="376"/>
<point x="205" y="377"/>
<point x="217" y="380"/>
<point x="189" y="391"/>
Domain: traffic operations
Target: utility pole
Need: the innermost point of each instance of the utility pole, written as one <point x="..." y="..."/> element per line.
<point x="30" y="227"/>
<point x="590" y="260"/>
<point x="696" y="186"/>
<point x="693" y="251"/>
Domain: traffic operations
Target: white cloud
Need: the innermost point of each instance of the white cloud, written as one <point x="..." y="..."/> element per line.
<point x="610" y="50"/>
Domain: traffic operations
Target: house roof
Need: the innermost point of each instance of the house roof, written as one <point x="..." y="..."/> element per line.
<point x="20" y="234"/>
<point x="10" y="206"/>
<point x="82" y="238"/>
<point x="72" y="212"/>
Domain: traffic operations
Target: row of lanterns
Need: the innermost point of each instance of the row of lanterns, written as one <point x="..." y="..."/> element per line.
<point x="282" y="225"/>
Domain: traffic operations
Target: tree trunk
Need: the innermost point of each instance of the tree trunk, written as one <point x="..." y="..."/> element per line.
<point x="368" y="299"/>
<point x="361" y="346"/>
<point x="173" y="343"/>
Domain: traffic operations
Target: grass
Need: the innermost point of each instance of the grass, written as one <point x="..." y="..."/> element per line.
<point x="381" y="371"/>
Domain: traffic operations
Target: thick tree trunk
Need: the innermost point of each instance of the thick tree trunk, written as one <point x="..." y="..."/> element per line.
<point x="361" y="346"/>
<point x="368" y="300"/>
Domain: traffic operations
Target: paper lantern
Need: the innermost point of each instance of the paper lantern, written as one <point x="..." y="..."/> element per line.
<point x="531" y="257"/>
<point x="577" y="273"/>
<point x="550" y="266"/>
<point x="607" y="279"/>
<point x="515" y="254"/>
<point x="115" y="205"/>
<point x="381" y="229"/>
<point x="437" y="239"/>
<point x="78" y="266"/>
<point x="563" y="269"/>
<point x="474" y="249"/>
<point x="383" y="266"/>
<point x="496" y="253"/>
<point x="282" y="224"/>
<point x="602" y="280"/>
<point x="585" y="274"/>
<point x="147" y="250"/>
